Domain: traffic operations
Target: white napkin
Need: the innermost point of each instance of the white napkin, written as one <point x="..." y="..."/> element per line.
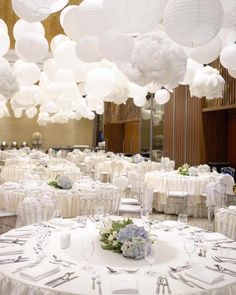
<point x="124" y="284"/>
<point x="18" y="234"/>
<point x="201" y="273"/>
<point x="213" y="237"/>
<point x="232" y="208"/>
<point x="40" y="271"/>
<point x="63" y="222"/>
<point x="11" y="250"/>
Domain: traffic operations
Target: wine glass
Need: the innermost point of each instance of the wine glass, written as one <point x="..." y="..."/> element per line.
<point x="182" y="221"/>
<point x="41" y="239"/>
<point x="150" y="256"/>
<point x="190" y="247"/>
<point x="144" y="214"/>
<point x="87" y="252"/>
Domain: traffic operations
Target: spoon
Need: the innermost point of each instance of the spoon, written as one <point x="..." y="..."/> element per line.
<point x="130" y="271"/>
<point x="57" y="259"/>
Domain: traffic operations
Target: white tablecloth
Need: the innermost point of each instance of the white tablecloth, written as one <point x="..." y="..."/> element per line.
<point x="82" y="199"/>
<point x="169" y="254"/>
<point x="194" y="185"/>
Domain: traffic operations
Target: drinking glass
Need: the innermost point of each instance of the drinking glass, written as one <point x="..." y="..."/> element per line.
<point x="150" y="256"/>
<point x="182" y="221"/>
<point x="87" y="252"/>
<point x="144" y="214"/>
<point x="190" y="247"/>
<point x="41" y="239"/>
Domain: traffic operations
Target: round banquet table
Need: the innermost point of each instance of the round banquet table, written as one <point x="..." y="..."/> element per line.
<point x="170" y="253"/>
<point x="162" y="182"/>
<point x="81" y="199"/>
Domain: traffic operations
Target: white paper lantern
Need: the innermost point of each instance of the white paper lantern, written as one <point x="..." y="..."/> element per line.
<point x="58" y="5"/>
<point x="207" y="53"/>
<point x="42" y="6"/>
<point x="93" y="102"/>
<point x="91" y="116"/>
<point x="232" y="73"/>
<point x="27" y="96"/>
<point x="31" y="47"/>
<point x="18" y="113"/>
<point x="227" y="57"/>
<point x="134" y="17"/>
<point x="136" y="91"/>
<point x="65" y="56"/>
<point x="57" y="40"/>
<point x="140" y="101"/>
<point x="162" y="96"/>
<point x="153" y="87"/>
<point x="100" y="110"/>
<point x="116" y="47"/>
<point x="64" y="76"/>
<point x="146" y="114"/>
<point x="27" y="73"/>
<point x="27" y="13"/>
<point x="31" y="112"/>
<point x="230" y="37"/>
<point x="4" y="42"/>
<point x="100" y="82"/>
<point x="91" y="18"/>
<point x="69" y="19"/>
<point x="22" y="27"/>
<point x="193" y="23"/>
<point x="50" y="68"/>
<point x="228" y="5"/>
<point x="49" y="107"/>
<point x="3" y="25"/>
<point x="88" y="49"/>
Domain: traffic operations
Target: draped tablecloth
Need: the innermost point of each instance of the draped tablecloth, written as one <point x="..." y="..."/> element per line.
<point x="193" y="185"/>
<point x="169" y="254"/>
<point x="83" y="198"/>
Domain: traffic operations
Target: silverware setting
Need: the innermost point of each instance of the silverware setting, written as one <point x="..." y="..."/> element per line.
<point x="217" y="259"/>
<point x="179" y="268"/>
<point x="219" y="268"/>
<point x="99" y="283"/>
<point x="13" y="241"/>
<point x="30" y="265"/>
<point x="14" y="260"/>
<point x="130" y="271"/>
<point x="165" y="284"/>
<point x="61" y="280"/>
<point x="187" y="282"/>
<point x="59" y="260"/>
<point x="93" y="280"/>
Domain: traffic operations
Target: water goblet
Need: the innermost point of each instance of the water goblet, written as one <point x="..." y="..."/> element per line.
<point x="182" y="221"/>
<point x="150" y="255"/>
<point x="190" y="247"/>
<point x="87" y="252"/>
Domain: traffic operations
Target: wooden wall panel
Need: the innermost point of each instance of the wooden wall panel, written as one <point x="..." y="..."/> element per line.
<point x="168" y="141"/>
<point x="131" y="137"/>
<point x="114" y="134"/>
<point x="231" y="138"/>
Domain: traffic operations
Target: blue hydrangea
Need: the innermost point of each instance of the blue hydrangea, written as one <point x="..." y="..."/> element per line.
<point x="131" y="231"/>
<point x="134" y="248"/>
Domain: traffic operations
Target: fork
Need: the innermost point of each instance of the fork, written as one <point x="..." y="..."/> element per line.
<point x="63" y="277"/>
<point x="166" y="283"/>
<point x="65" y="281"/>
<point x="98" y="277"/>
<point x="190" y="282"/>
<point x="217" y="259"/>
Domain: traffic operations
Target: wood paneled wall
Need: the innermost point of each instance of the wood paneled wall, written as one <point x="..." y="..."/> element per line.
<point x="183" y="136"/>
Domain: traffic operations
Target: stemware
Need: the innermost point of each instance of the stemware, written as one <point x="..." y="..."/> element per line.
<point x="87" y="252"/>
<point x="144" y="214"/>
<point x="41" y="239"/>
<point x="182" y="221"/>
<point x="150" y="256"/>
<point x="190" y="247"/>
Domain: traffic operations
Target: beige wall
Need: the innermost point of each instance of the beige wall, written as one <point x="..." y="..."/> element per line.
<point x="72" y="133"/>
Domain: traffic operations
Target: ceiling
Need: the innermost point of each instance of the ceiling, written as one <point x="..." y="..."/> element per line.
<point x="51" y="24"/>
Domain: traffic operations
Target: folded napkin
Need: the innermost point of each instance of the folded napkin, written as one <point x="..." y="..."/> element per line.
<point x="203" y="274"/>
<point x="18" y="234"/>
<point x="213" y="237"/>
<point x="40" y="271"/>
<point x="11" y="250"/>
<point x="124" y="284"/>
<point x="63" y="222"/>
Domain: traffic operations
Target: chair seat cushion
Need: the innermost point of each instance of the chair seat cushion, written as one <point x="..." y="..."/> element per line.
<point x="129" y="208"/>
<point x="178" y="194"/>
<point x="130" y="201"/>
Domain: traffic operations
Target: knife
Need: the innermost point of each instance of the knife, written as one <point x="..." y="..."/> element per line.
<point x="223" y="272"/>
<point x="65" y="281"/>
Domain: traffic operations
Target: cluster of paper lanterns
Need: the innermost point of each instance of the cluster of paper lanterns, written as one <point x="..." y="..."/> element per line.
<point x="113" y="50"/>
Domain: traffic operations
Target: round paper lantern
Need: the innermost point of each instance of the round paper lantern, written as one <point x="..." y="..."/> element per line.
<point x="50" y="68"/>
<point x="227" y="57"/>
<point x="4" y="42"/>
<point x="93" y="102"/>
<point x="100" y="82"/>
<point x="146" y="114"/>
<point x="140" y="101"/>
<point x="228" y="5"/>
<point x="136" y="91"/>
<point x="207" y="53"/>
<point x="193" y="23"/>
<point x="49" y="107"/>
<point x="65" y="56"/>
<point x="88" y="50"/>
<point x="91" y="18"/>
<point x="27" y="13"/>
<point x="22" y="27"/>
<point x="162" y="96"/>
<point x="58" y="5"/>
<point x="27" y="73"/>
<point x="153" y="87"/>
<point x="31" y="112"/>
<point x="31" y="47"/>
<point x="100" y="110"/>
<point x="232" y="73"/>
<point x="134" y="17"/>
<point x="116" y="47"/>
<point x="69" y="22"/>
<point x="57" y="40"/>
<point x="64" y="76"/>
<point x="3" y="25"/>
<point x="230" y="37"/>
<point x="27" y="96"/>
<point x="91" y="115"/>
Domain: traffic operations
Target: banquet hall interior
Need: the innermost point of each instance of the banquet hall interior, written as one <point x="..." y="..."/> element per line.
<point x="117" y="147"/>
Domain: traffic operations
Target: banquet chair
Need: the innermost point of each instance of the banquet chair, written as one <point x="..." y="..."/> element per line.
<point x="35" y="210"/>
<point x="228" y="170"/>
<point x="176" y="201"/>
<point x="225" y="221"/>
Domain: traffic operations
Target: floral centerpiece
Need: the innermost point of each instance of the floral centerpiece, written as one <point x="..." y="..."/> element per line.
<point x="184" y="169"/>
<point x="61" y="182"/>
<point x="124" y="237"/>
